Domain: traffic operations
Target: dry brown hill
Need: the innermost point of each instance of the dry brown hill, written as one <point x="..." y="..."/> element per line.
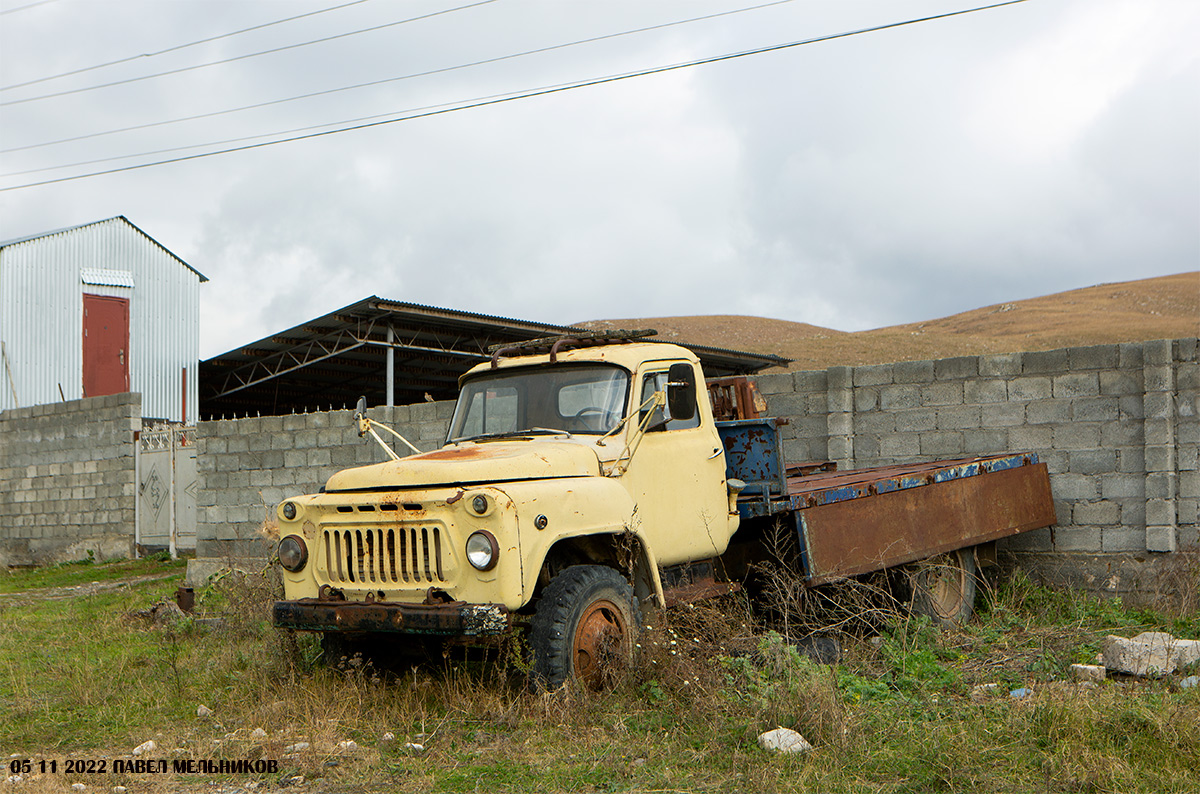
<point x="1130" y="311"/>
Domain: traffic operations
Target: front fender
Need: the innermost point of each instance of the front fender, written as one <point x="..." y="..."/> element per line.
<point x="571" y="507"/>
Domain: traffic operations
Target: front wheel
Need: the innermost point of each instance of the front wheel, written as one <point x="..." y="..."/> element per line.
<point x="584" y="628"/>
<point x="943" y="587"/>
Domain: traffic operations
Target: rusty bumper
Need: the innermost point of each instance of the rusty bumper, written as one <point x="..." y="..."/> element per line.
<point x="455" y="619"/>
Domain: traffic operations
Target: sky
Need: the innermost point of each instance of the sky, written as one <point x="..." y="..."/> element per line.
<point x="862" y="181"/>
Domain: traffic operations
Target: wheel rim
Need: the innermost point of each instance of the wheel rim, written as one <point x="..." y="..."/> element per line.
<point x="600" y="643"/>
<point x="945" y="582"/>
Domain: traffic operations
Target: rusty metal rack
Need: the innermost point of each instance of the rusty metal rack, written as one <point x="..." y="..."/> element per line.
<point x="556" y="344"/>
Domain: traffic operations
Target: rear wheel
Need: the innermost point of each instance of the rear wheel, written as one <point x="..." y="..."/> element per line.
<point x="943" y="587"/>
<point x="584" y="628"/>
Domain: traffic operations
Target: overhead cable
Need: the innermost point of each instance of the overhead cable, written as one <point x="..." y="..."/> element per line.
<point x="544" y="91"/>
<point x="26" y="7"/>
<point x="176" y="48"/>
<point x="411" y="76"/>
<point x="193" y="67"/>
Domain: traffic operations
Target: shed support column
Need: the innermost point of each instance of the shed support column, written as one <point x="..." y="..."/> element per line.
<point x="391" y="368"/>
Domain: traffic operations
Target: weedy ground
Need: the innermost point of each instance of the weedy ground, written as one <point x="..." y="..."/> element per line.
<point x="85" y="673"/>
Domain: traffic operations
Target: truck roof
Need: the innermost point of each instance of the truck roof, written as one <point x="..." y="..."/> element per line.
<point x="623" y="354"/>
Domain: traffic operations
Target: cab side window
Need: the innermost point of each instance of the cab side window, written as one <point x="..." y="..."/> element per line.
<point x="657" y="381"/>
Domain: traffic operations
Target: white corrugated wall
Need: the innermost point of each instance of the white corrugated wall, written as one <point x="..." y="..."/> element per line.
<point x="41" y="317"/>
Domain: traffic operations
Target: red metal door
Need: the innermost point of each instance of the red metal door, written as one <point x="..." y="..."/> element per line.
<point x="105" y="345"/>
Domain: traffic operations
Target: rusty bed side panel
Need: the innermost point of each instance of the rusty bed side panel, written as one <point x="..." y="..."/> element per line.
<point x="856" y="536"/>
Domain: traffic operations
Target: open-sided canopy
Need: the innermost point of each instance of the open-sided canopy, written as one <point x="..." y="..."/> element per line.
<point x="332" y="360"/>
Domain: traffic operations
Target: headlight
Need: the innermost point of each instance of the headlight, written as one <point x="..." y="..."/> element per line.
<point x="288" y="511"/>
<point x="293" y="554"/>
<point x="482" y="550"/>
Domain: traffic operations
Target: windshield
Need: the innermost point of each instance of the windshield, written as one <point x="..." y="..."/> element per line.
<point x="588" y="400"/>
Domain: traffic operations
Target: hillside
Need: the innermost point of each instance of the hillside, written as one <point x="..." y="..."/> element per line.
<point x="1130" y="311"/>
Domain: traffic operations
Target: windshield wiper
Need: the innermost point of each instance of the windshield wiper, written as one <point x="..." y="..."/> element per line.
<point x="531" y="431"/>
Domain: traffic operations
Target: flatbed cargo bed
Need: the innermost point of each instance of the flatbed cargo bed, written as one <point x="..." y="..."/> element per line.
<point x="854" y="522"/>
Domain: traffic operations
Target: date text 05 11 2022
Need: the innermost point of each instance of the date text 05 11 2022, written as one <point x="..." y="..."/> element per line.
<point x="178" y="766"/>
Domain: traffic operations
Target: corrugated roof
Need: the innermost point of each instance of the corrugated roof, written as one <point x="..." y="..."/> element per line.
<point x="40" y="235"/>
<point x="331" y="360"/>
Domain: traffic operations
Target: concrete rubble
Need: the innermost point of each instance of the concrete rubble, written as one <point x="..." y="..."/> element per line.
<point x="1088" y="672"/>
<point x="784" y="740"/>
<point x="1149" y="653"/>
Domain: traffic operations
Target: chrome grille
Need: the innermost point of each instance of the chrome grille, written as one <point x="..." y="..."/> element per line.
<point x="373" y="555"/>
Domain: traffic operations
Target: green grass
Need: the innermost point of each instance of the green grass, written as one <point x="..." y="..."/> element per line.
<point x="85" y="676"/>
<point x="86" y="571"/>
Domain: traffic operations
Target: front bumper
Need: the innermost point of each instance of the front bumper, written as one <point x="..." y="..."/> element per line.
<point x="455" y="619"/>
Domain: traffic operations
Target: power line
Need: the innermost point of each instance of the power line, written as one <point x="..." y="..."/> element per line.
<point x="386" y="80"/>
<point x="26" y="7"/>
<point x="537" y="92"/>
<point x="284" y="48"/>
<point x="176" y="48"/>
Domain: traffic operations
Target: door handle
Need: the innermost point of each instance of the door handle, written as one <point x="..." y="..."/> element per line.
<point x="716" y="452"/>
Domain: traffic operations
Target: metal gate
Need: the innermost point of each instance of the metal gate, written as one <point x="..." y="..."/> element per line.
<point x="166" y="489"/>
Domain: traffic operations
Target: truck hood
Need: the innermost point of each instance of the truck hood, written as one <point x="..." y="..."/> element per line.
<point x="492" y="461"/>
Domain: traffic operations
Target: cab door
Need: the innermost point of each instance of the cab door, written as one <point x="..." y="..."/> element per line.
<point x="677" y="475"/>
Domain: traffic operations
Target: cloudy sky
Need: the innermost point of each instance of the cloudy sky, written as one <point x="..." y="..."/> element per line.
<point x="858" y="182"/>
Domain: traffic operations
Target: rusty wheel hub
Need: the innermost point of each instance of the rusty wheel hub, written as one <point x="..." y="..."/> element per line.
<point x="600" y="643"/>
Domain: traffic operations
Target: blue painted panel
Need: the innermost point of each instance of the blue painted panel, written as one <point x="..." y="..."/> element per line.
<point x="753" y="455"/>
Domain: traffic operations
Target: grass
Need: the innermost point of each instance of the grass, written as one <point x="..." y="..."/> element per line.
<point x="903" y="711"/>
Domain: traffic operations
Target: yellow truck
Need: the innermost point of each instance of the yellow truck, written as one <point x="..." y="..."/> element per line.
<point x="584" y="478"/>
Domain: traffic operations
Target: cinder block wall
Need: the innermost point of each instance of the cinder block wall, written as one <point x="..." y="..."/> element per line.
<point x="247" y="466"/>
<point x="1117" y="425"/>
<point x="67" y="480"/>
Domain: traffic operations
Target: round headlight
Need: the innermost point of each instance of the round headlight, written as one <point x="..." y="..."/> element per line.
<point x="479" y="504"/>
<point x="293" y="554"/>
<point x="288" y="510"/>
<point x="482" y="550"/>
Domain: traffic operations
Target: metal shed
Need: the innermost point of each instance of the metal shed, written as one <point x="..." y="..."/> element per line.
<point x="389" y="351"/>
<point x="97" y="309"/>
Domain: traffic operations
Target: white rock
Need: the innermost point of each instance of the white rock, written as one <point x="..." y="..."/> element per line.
<point x="258" y="733"/>
<point x="1190" y="682"/>
<point x="78" y="787"/>
<point x="119" y="790"/>
<point x="297" y="747"/>
<point x="414" y="748"/>
<point x="784" y="740"/>
<point x="388" y="737"/>
<point x="145" y="747"/>
<point x="1088" y="672"/>
<point x="1149" y="653"/>
<point x="12" y="780"/>
<point x="349" y="745"/>
<point x="203" y="711"/>
<point x="1187" y="652"/>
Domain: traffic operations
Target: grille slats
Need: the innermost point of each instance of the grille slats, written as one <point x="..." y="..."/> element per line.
<point x="375" y="556"/>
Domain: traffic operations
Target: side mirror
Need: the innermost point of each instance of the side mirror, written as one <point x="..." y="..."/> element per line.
<point x="681" y="391"/>
<point x="360" y="416"/>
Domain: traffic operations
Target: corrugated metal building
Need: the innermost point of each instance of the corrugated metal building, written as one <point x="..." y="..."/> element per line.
<point x="99" y="309"/>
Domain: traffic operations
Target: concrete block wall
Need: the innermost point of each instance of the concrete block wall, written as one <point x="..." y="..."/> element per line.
<point x="247" y="466"/>
<point x="67" y="482"/>
<point x="1117" y="425"/>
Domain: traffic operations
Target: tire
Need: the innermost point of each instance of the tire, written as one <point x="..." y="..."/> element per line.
<point x="584" y="629"/>
<point x="943" y="588"/>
